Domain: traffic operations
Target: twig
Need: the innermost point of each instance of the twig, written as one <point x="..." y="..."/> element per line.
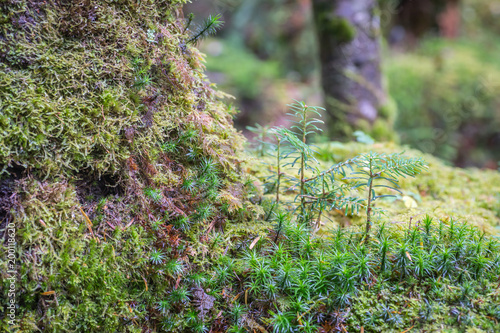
<point x="89" y="224"/>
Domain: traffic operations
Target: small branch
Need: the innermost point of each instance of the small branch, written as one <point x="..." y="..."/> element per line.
<point x="302" y="161"/>
<point x="318" y="221"/>
<point x="279" y="173"/>
<point x="369" y="203"/>
<point x="330" y="170"/>
<point x="190" y="19"/>
<point x="270" y="212"/>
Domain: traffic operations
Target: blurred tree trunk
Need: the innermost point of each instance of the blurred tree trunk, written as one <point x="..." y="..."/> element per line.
<point x="449" y="20"/>
<point x="420" y="17"/>
<point x="349" y="44"/>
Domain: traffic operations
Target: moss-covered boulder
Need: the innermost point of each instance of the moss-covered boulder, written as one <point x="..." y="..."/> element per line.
<point x="119" y="166"/>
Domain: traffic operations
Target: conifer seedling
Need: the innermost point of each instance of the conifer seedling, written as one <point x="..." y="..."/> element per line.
<point x="328" y="189"/>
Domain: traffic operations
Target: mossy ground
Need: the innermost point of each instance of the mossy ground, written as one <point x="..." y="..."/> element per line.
<point x="419" y="279"/>
<point x="444" y="191"/>
<point x="333" y="254"/>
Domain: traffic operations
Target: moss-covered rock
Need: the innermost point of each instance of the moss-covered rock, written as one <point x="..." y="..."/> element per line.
<point x="338" y="27"/>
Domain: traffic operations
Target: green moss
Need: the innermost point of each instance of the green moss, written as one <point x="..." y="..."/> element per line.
<point x="68" y="108"/>
<point x="415" y="271"/>
<point x="93" y="281"/>
<point x="335" y="26"/>
<point x="105" y="113"/>
<point x="341" y="29"/>
<point x="399" y="280"/>
<point x="105" y="125"/>
<point x="338" y="28"/>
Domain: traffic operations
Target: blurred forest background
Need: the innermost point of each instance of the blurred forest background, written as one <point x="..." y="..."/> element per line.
<point x="424" y="73"/>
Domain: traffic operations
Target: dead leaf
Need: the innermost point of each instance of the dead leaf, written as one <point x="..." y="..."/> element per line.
<point x="254" y="242"/>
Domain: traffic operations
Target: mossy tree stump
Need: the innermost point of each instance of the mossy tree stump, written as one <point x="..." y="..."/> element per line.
<point x="116" y="155"/>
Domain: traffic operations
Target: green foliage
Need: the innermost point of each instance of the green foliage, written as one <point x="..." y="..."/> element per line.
<point x="297" y="149"/>
<point x="163" y="306"/>
<point x="382" y="171"/>
<point x="154" y="194"/>
<point x="180" y="295"/>
<point x="209" y="27"/>
<point x="427" y="192"/>
<point x="237" y="313"/>
<point x="281" y="322"/>
<point x="445" y="92"/>
<point x="174" y="268"/>
<point x="156" y="257"/>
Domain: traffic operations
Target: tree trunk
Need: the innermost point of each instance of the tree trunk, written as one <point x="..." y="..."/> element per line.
<point x="349" y="43"/>
<point x="419" y="17"/>
<point x="449" y="20"/>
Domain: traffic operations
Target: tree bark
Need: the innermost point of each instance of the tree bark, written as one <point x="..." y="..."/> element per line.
<point x="349" y="44"/>
<point x="449" y="20"/>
